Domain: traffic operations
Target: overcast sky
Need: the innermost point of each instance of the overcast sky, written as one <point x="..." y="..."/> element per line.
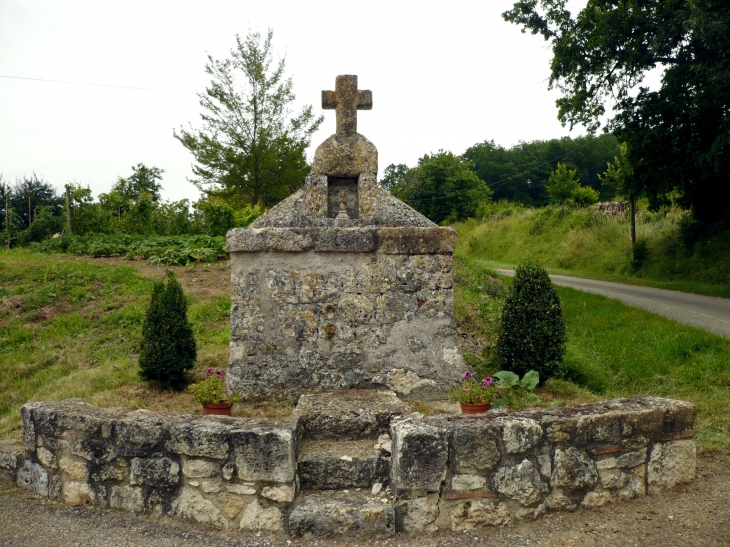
<point x="444" y="75"/>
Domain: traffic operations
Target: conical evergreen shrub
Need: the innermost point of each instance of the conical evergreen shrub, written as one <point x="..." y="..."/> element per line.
<point x="532" y="333"/>
<point x="168" y="346"/>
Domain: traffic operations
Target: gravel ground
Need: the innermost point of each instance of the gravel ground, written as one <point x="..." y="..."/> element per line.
<point x="695" y="514"/>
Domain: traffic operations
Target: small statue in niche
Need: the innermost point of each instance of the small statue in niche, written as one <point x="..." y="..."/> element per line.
<point x="343" y="205"/>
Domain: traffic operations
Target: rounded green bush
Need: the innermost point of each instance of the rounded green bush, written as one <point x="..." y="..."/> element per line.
<point x="168" y="347"/>
<point x="532" y="333"/>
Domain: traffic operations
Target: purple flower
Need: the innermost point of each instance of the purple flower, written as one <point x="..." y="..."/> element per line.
<point x="467" y="375"/>
<point x="219" y="373"/>
<point x="209" y="372"/>
<point x="487" y="381"/>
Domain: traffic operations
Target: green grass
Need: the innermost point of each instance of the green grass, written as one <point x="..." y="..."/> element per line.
<point x="588" y="244"/>
<point x="614" y="350"/>
<point x="71" y="328"/>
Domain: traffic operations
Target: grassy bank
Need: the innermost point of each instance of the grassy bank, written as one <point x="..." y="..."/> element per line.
<point x="71" y="327"/>
<point x="589" y="244"/>
<point x="613" y="350"/>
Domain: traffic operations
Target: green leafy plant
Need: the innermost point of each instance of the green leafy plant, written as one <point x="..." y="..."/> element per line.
<point x="213" y="389"/>
<point x="471" y="391"/>
<point x="532" y="332"/>
<point x="516" y="393"/>
<point x="168" y="346"/>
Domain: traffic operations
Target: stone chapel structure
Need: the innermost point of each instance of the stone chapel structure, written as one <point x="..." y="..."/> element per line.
<point x="342" y="285"/>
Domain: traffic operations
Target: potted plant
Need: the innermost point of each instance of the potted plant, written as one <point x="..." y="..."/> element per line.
<point x="212" y="393"/>
<point x="474" y="396"/>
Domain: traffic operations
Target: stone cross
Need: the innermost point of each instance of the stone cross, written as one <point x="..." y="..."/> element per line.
<point x="346" y="100"/>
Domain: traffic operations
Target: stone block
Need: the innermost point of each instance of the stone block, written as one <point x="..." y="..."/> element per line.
<point x="520" y="434"/>
<point x="573" y="469"/>
<point x="77" y="493"/>
<point x="127" y="498"/>
<point x="349" y="414"/>
<point x="191" y="505"/>
<point x="204" y="438"/>
<point x="10" y="459"/>
<point x="420" y="453"/>
<point x="75" y="469"/>
<point x="230" y="504"/>
<point x="197" y="468"/>
<point x="265" y="453"/>
<point x="341" y="514"/>
<point x="521" y="482"/>
<point x="470" y="515"/>
<point x="283" y="493"/>
<point x="33" y="477"/>
<point x="256" y="517"/>
<point x="333" y="465"/>
<point x="473" y="443"/>
<point x="460" y="483"/>
<point x="671" y="463"/>
<point x="417" y="515"/>
<point x="158" y="472"/>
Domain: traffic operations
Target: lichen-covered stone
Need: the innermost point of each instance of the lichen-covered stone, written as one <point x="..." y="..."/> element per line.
<point x="283" y="493"/>
<point x="475" y="514"/>
<point x="468" y="482"/>
<point x="127" y="498"/>
<point x="521" y="482"/>
<point x="573" y="469"/>
<point x="77" y="493"/>
<point x="336" y="464"/>
<point x="191" y="505"/>
<point x="265" y="453"/>
<point x="158" y="472"/>
<point x="206" y="439"/>
<point x="341" y="514"/>
<point x="520" y="434"/>
<point x="197" y="468"/>
<point x="33" y="477"/>
<point x="671" y="463"/>
<point x="420" y="453"/>
<point x="256" y="517"/>
<point x="418" y="515"/>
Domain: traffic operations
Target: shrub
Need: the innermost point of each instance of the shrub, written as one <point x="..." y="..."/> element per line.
<point x="532" y="333"/>
<point x="584" y="196"/>
<point x="168" y="346"/>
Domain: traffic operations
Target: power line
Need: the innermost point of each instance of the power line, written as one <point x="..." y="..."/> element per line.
<point x="90" y="84"/>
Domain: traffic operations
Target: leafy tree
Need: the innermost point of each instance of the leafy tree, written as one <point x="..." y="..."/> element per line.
<point x="143" y="180"/>
<point x="168" y="346"/>
<point x="39" y="193"/>
<point x="678" y="136"/>
<point x="562" y="183"/>
<point x="442" y="187"/>
<point x="251" y="148"/>
<point x="45" y="224"/>
<point x="520" y="173"/>
<point x="532" y="332"/>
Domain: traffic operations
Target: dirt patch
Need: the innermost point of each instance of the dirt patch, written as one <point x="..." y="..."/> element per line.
<point x="202" y="282"/>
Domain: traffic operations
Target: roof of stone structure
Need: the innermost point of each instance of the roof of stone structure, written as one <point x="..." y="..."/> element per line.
<point x="387" y="211"/>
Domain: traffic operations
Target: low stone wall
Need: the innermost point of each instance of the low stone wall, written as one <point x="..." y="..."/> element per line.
<point x="446" y="472"/>
<point x="461" y="472"/>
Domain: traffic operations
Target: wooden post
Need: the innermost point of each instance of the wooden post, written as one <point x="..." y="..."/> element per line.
<point x="30" y="217"/>
<point x="632" y="205"/>
<point x="7" y="217"/>
<point x="68" y="209"/>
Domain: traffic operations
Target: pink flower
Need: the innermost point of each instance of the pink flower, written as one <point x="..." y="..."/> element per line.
<point x="487" y="381"/>
<point x="209" y="372"/>
<point x="467" y="375"/>
<point x="219" y="373"/>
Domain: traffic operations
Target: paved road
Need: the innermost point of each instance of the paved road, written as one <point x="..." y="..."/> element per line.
<point x="707" y="312"/>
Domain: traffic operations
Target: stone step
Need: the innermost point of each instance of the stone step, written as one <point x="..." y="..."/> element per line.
<point x="349" y="413"/>
<point x="334" y="465"/>
<point x="342" y="513"/>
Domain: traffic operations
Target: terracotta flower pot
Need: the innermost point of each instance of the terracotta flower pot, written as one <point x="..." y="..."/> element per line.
<point x="475" y="409"/>
<point x="222" y="409"/>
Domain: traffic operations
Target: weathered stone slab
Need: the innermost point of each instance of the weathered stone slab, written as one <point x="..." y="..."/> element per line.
<point x="265" y="452"/>
<point x="349" y="414"/>
<point x="341" y="514"/>
<point x="420" y="453"/>
<point x="671" y="463"/>
<point x="333" y="465"/>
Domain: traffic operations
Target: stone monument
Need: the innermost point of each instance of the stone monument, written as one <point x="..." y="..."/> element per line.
<point x="342" y="285"/>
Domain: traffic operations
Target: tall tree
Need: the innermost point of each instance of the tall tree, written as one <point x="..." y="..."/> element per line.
<point x="29" y="194"/>
<point x="442" y="187"/>
<point x="678" y="136"/>
<point x="251" y="147"/>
